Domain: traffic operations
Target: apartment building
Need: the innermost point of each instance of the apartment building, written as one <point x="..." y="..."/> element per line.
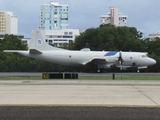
<point x="114" y="17"/>
<point x="8" y="23"/>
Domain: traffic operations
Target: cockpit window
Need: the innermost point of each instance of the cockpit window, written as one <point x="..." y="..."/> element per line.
<point x="144" y="56"/>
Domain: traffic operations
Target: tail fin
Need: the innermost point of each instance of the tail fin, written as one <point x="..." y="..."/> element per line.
<point x="38" y="42"/>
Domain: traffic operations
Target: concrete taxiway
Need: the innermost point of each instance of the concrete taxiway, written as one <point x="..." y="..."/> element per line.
<point x="80" y="93"/>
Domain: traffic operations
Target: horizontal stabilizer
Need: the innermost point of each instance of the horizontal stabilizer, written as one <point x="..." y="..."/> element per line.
<point x="34" y="51"/>
<point x="12" y="51"/>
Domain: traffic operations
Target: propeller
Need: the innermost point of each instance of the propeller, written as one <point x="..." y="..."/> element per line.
<point x="120" y="59"/>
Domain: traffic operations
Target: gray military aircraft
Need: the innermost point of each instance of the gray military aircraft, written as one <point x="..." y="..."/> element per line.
<point x="40" y="49"/>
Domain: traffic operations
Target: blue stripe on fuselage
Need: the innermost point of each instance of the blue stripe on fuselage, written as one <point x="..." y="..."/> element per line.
<point x="110" y="53"/>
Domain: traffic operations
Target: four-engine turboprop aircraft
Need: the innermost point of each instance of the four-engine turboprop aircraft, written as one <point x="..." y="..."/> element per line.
<point x="40" y="49"/>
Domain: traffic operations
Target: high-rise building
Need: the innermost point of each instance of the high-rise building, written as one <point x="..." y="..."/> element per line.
<point x="114" y="17"/>
<point x="54" y="16"/>
<point x="8" y="23"/>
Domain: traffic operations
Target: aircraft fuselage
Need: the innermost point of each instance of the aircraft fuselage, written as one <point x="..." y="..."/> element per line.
<point x="74" y="58"/>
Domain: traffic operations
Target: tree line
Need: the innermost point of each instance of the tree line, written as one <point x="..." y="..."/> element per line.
<point x="105" y="37"/>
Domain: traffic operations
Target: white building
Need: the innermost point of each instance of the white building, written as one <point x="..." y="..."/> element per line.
<point x="8" y="23"/>
<point x="114" y="17"/>
<point x="154" y="35"/>
<point x="58" y="37"/>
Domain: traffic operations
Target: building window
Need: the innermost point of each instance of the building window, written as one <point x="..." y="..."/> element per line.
<point x="55" y="44"/>
<point x="70" y="33"/>
<point x="67" y="36"/>
<point x="59" y="36"/>
<point x="64" y="18"/>
<point x="66" y="33"/>
<point x="50" y="42"/>
<point x="60" y="44"/>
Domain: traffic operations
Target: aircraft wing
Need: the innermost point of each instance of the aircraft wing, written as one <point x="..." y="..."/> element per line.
<point x="96" y="61"/>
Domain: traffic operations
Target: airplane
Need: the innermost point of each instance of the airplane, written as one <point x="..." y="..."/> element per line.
<point x="40" y="49"/>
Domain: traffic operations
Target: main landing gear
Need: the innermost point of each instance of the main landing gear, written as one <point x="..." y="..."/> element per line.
<point x="98" y="71"/>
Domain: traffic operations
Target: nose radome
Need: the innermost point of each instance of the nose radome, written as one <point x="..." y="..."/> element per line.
<point x="152" y="62"/>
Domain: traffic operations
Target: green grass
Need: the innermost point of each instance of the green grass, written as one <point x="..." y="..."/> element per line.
<point x="139" y="77"/>
<point x="117" y="77"/>
<point x="20" y="78"/>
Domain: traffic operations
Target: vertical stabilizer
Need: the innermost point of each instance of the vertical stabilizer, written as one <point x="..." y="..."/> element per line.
<point x="38" y="41"/>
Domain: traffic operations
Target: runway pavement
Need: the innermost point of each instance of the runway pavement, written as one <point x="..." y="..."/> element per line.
<point x="79" y="99"/>
<point x="80" y="92"/>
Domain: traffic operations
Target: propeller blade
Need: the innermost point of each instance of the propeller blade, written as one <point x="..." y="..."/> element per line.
<point x="120" y="59"/>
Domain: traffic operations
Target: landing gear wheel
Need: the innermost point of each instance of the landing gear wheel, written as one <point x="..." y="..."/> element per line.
<point x="98" y="71"/>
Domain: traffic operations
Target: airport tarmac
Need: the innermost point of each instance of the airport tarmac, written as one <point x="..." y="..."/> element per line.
<point x="80" y="93"/>
<point x="30" y="74"/>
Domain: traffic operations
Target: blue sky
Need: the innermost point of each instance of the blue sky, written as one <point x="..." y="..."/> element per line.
<point x="83" y="14"/>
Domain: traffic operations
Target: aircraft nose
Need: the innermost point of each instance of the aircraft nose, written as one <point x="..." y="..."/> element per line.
<point x="152" y="62"/>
